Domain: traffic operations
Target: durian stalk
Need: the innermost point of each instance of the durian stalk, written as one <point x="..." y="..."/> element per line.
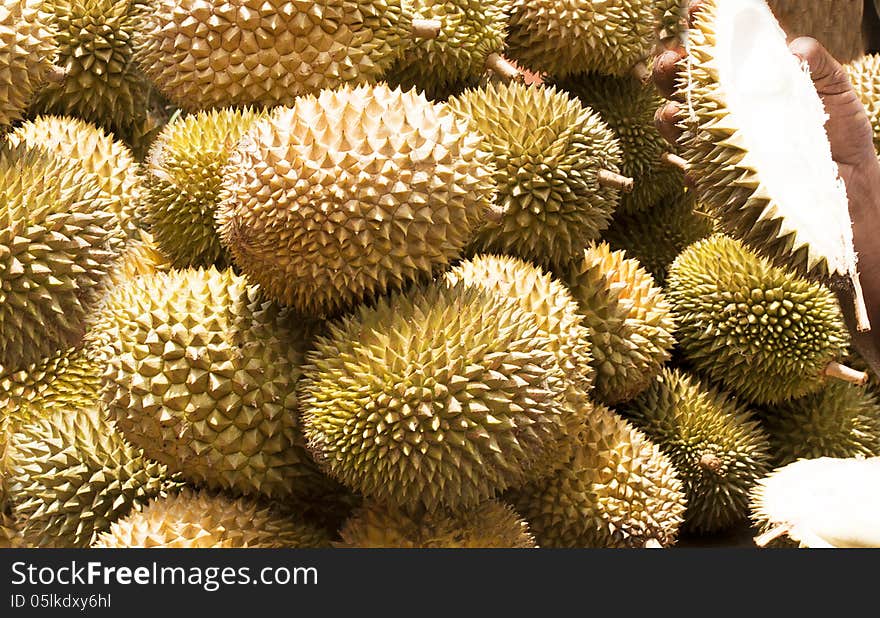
<point x="612" y="179"/>
<point x="710" y="461"/>
<point x="502" y="66"/>
<point x="847" y="374"/>
<point x="674" y="160"/>
<point x="641" y="72"/>
<point x="426" y="28"/>
<point x="863" y="322"/>
<point x="56" y="74"/>
<point x="762" y="540"/>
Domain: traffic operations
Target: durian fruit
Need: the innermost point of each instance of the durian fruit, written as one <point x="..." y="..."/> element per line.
<point x="864" y="73"/>
<point x="759" y="155"/>
<point x="470" y="41"/>
<point x="441" y="397"/>
<point x="835" y="23"/>
<point x="9" y="537"/>
<point x="216" y="53"/>
<point x="841" y="420"/>
<point x="763" y="332"/>
<point x="562" y="37"/>
<point x="658" y="235"/>
<point x="201" y="374"/>
<point x="27" y="53"/>
<point x="102" y="84"/>
<point x="715" y="442"/>
<point x="352" y="193"/>
<point x="628" y="105"/>
<point x="192" y="519"/>
<point x="183" y="179"/>
<point x="669" y="18"/>
<point x="628" y="318"/>
<point x="556" y="170"/>
<point x="141" y="256"/>
<point x="821" y="502"/>
<point x="70" y="475"/>
<point x="111" y="161"/>
<point x="617" y="490"/>
<point x="58" y="241"/>
<point x="492" y="524"/>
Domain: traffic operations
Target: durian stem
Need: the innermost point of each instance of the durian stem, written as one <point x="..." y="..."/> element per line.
<point x="653" y="544"/>
<point x="495" y="213"/>
<point x="641" y="72"/>
<point x="863" y="322"/>
<point x="673" y="160"/>
<point x="762" y="540"/>
<point x="612" y="179"/>
<point x="56" y="74"/>
<point x="426" y="28"/>
<point x="847" y="374"/>
<point x="710" y="461"/>
<point x="502" y="66"/>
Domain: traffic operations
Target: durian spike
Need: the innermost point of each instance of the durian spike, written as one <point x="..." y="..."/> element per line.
<point x="711" y="462"/>
<point x="56" y="74"/>
<point x="673" y="160"/>
<point x="503" y="67"/>
<point x="653" y="544"/>
<point x="863" y="322"/>
<point x="762" y="540"/>
<point x="847" y="374"/>
<point x="426" y="28"/>
<point x="608" y="178"/>
<point x="641" y="72"/>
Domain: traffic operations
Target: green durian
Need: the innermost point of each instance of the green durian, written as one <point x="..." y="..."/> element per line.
<point x="657" y="236"/>
<point x="489" y="525"/>
<point x="27" y="54"/>
<point x="562" y="37"/>
<point x="201" y="374"/>
<point x="353" y="193"/>
<point x="759" y="156"/>
<point x="761" y="331"/>
<point x="58" y="241"/>
<point x="70" y="475"/>
<point x="864" y="73"/>
<point x="183" y="180"/>
<point x="627" y="105"/>
<point x="556" y="165"/>
<point x="715" y="443"/>
<point x="96" y="151"/>
<point x="628" y="318"/>
<point x="191" y="519"/>
<point x="471" y="38"/>
<point x="841" y="420"/>
<point x="441" y="397"/>
<point x="617" y="490"/>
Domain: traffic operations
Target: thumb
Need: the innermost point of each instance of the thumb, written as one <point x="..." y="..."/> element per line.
<point x="828" y="75"/>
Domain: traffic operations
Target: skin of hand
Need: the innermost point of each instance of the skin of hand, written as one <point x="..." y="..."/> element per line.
<point x="852" y="148"/>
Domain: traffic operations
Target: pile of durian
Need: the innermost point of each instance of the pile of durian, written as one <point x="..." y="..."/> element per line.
<point x="417" y="273"/>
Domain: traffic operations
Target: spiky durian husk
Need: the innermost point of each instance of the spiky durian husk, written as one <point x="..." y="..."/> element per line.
<point x="214" y="53"/>
<point x="628" y="106"/>
<point x="835" y="23"/>
<point x="352" y="193"/>
<point x="548" y="150"/>
<point x="617" y="490"/>
<point x="822" y="503"/>
<point x="658" y="235"/>
<point x="563" y="37"/>
<point x="842" y="420"/>
<point x="71" y="474"/>
<point x="184" y="174"/>
<point x="864" y="74"/>
<point x="438" y="398"/>
<point x="548" y="300"/>
<point x="9" y="536"/>
<point x="141" y="256"/>
<point x="670" y="18"/>
<point x="628" y="318"/>
<point x="191" y="519"/>
<point x="201" y="374"/>
<point x="715" y="443"/>
<point x="58" y="242"/>
<point x="102" y="85"/>
<point x="726" y="176"/>
<point x="762" y="331"/>
<point x="27" y="51"/>
<point x="472" y="30"/>
<point x="91" y="147"/>
<point x="490" y="525"/>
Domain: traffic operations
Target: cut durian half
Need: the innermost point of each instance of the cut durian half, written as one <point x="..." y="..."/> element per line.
<point x="823" y="502"/>
<point x="757" y="147"/>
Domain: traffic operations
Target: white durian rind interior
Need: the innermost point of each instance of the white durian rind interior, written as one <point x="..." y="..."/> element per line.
<point x="780" y="119"/>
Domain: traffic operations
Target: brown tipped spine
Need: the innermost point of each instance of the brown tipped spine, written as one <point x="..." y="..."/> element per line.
<point x="847" y="374"/>
<point x="497" y="63"/>
<point x="426" y="28"/>
<point x="608" y="178"/>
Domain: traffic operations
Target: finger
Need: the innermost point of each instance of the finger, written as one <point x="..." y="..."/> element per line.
<point x="665" y="72"/>
<point x="666" y="120"/>
<point x="828" y="75"/>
